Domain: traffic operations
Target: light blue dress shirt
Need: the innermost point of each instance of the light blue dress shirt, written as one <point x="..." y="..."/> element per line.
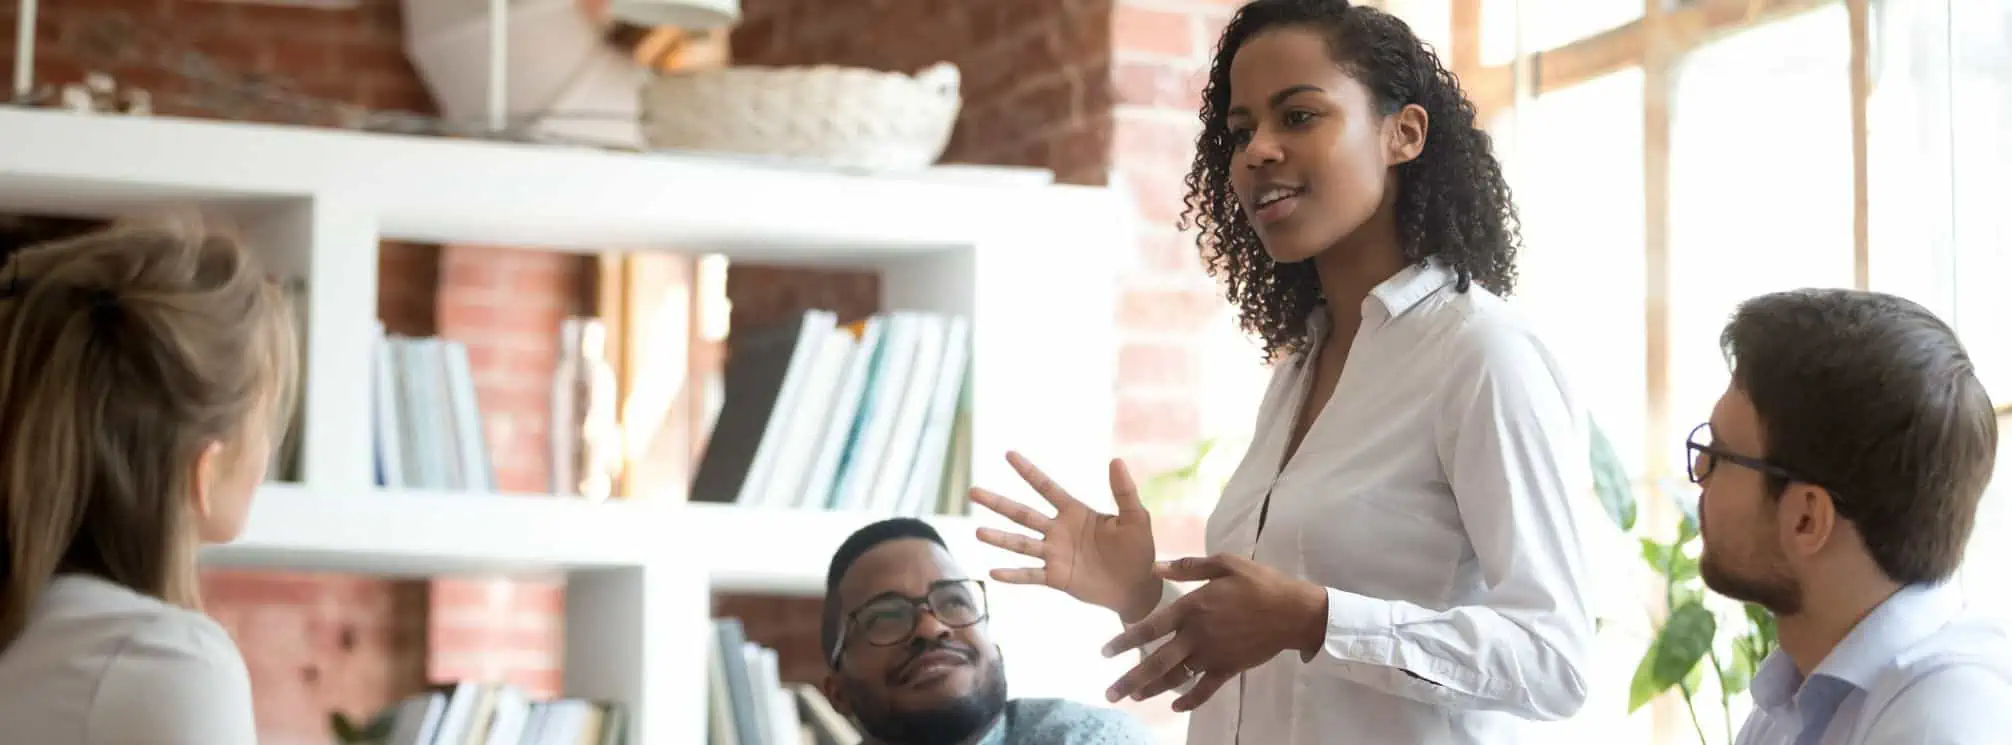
<point x="1917" y="670"/>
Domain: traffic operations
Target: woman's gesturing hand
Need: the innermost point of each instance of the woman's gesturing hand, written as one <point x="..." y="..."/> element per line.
<point x="1104" y="560"/>
<point x="1245" y="613"/>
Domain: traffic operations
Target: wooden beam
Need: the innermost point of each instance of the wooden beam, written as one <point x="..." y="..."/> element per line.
<point x="1465" y="18"/>
<point x="632" y="290"/>
<point x="1861" y="186"/>
<point x="1657" y="57"/>
<point x="1658" y="60"/>
<point x="1678" y="31"/>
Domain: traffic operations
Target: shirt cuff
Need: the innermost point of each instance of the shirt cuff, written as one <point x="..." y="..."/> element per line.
<point x="1359" y="630"/>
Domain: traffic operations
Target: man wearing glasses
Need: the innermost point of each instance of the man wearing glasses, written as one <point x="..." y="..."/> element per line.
<point x="1841" y="472"/>
<point x="910" y="662"/>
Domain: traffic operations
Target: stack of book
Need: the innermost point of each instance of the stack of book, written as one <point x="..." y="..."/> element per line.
<point x="870" y="416"/>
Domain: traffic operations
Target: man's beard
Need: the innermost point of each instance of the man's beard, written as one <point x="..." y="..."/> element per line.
<point x="946" y="723"/>
<point x="1772" y="588"/>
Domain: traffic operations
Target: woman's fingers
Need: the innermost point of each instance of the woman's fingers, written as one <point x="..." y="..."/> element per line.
<point x="1124" y="491"/>
<point x="1163" y="662"/>
<point x="1015" y="511"/>
<point x="1013" y="542"/>
<point x="1203" y="689"/>
<point x="1174" y="678"/>
<point x="1021" y="576"/>
<point x="1045" y="486"/>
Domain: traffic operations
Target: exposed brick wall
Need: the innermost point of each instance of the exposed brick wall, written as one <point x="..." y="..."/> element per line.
<point x="1160" y="52"/>
<point x="408" y="281"/>
<point x="506" y="305"/>
<point x="350" y="55"/>
<point x="768" y="295"/>
<point x="497" y="629"/>
<point x="320" y="643"/>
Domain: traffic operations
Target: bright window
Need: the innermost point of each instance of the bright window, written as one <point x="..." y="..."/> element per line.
<point x="1510" y="27"/>
<point x="1576" y="168"/>
<point x="1979" y="71"/>
<point x="1760" y="188"/>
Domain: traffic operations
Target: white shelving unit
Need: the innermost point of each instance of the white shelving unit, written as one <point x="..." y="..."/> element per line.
<point x="1031" y="264"/>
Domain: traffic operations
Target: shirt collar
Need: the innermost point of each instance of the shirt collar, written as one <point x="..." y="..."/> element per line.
<point x="1912" y="614"/>
<point x="1394" y="296"/>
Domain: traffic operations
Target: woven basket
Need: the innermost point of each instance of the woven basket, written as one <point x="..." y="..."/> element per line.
<point x="839" y="116"/>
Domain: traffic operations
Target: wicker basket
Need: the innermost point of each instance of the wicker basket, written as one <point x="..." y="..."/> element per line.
<point x="839" y="116"/>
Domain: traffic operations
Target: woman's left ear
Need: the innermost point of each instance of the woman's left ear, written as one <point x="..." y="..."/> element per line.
<point x="203" y="478"/>
<point x="1406" y="139"/>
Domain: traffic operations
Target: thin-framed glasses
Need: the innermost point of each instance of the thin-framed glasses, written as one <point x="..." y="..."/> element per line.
<point x="1705" y="457"/>
<point x="890" y="618"/>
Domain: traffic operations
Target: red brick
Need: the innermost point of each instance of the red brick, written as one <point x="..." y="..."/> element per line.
<point x="320" y="643"/>
<point x="1167" y="252"/>
<point x="1168" y="310"/>
<point x="789" y="625"/>
<point x="1162" y="419"/>
<point x="1080" y="152"/>
<point x="1157" y="364"/>
<point x="1148" y="140"/>
<point x="1150" y="31"/>
<point x="497" y="630"/>
<point x="1169" y="85"/>
<point x="308" y="59"/>
<point x="1177" y="534"/>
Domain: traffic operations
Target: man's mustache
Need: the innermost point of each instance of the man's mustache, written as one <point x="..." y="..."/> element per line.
<point x="924" y="646"/>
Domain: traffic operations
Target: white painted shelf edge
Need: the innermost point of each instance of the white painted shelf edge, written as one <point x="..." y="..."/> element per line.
<point x="456" y="190"/>
<point x="432" y="533"/>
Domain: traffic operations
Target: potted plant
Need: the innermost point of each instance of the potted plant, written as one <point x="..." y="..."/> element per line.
<point x="1690" y="638"/>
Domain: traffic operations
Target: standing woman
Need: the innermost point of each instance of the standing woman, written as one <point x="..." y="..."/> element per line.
<point x="144" y="375"/>
<point x="1396" y="559"/>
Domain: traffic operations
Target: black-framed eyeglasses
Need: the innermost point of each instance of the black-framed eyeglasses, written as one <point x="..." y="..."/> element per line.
<point x="890" y="618"/>
<point x="1704" y="458"/>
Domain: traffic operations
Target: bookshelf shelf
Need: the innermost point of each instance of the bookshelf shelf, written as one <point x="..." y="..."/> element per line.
<point x="441" y="190"/>
<point x="785" y="552"/>
<point x="423" y="533"/>
<point x="640" y="575"/>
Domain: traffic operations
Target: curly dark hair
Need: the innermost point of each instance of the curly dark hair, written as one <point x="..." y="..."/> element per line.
<point x="1452" y="200"/>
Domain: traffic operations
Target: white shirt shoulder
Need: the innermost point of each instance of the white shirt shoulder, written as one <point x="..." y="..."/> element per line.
<point x="1954" y="688"/>
<point x="99" y="664"/>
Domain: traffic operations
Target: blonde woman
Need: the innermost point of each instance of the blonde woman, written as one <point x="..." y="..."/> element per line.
<point x="144" y="374"/>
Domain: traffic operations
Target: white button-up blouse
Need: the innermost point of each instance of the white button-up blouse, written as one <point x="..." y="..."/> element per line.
<point x="1434" y="497"/>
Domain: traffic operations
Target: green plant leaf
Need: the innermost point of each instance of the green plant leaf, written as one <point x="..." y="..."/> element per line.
<point x="1684" y="640"/>
<point x="1674" y="655"/>
<point x="344" y="730"/>
<point x="1745" y="662"/>
<point x="1763" y="622"/>
<point x="1642" y="688"/>
<point x="1611" y="481"/>
<point x="1688" y="593"/>
<point x="1168" y="487"/>
<point x="1687" y="528"/>
<point x="1668" y="561"/>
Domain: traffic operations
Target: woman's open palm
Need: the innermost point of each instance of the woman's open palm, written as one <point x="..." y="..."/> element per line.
<point x="1105" y="560"/>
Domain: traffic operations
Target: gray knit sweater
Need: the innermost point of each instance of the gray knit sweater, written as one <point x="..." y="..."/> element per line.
<point x="1048" y="721"/>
